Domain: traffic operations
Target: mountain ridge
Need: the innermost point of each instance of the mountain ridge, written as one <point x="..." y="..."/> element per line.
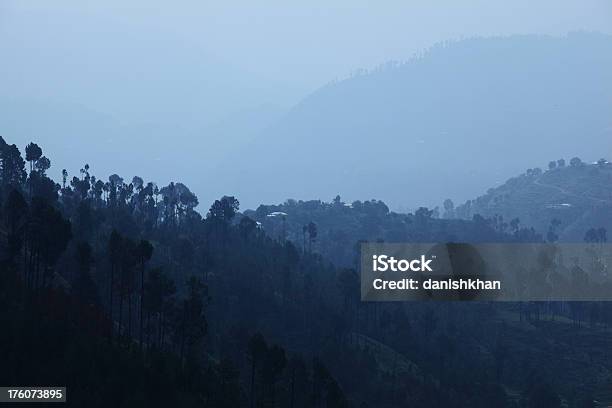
<point x="419" y="124"/>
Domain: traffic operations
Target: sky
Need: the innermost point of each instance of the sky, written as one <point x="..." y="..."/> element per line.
<point x="288" y="48"/>
<point x="180" y="68"/>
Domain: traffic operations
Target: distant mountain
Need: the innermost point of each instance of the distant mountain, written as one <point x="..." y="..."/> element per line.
<point x="74" y="135"/>
<point x="578" y="195"/>
<point x="460" y="117"/>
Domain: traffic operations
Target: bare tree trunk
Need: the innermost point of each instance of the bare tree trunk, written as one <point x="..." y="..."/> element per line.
<point x="148" y="339"/>
<point x="129" y="333"/>
<point x="292" y="388"/>
<point x="25" y="256"/>
<point x="163" y="332"/>
<point x="37" y="270"/>
<point x="142" y="269"/>
<point x="110" y="306"/>
<point x="253" y="383"/>
<point x="120" y="310"/>
<point x="183" y="333"/>
<point x="159" y="319"/>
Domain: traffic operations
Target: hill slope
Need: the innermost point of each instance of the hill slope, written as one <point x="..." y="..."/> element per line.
<point x="579" y="196"/>
<point x="459" y="118"/>
<point x="340" y="227"/>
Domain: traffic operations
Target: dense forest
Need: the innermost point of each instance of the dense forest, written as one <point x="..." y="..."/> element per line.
<point x="122" y="291"/>
<point x="335" y="229"/>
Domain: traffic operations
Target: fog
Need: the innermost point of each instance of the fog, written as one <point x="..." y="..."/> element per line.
<point x="149" y="81"/>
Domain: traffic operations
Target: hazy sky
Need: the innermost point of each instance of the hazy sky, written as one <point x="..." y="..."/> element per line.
<point x="141" y="80"/>
<point x="270" y="51"/>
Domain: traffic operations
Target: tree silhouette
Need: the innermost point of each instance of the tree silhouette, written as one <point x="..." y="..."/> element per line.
<point x="15" y="211"/>
<point x="42" y="165"/>
<point x="84" y="287"/>
<point x="576" y="162"/>
<point x="144" y="253"/>
<point x="304" y="232"/>
<point x="12" y="165"/>
<point x="33" y="153"/>
<point x="247" y="226"/>
<point x="224" y="209"/>
<point x="273" y="365"/>
<point x="127" y="282"/>
<point x="159" y="292"/>
<point x="193" y="324"/>
<point x="312" y="235"/>
<point x="64" y="178"/>
<point x="50" y="234"/>
<point x="257" y="350"/>
<point x="114" y="249"/>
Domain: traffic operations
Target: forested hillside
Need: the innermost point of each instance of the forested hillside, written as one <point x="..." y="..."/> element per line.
<point x="122" y="291"/>
<point x="569" y="199"/>
<point x="334" y="229"/>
